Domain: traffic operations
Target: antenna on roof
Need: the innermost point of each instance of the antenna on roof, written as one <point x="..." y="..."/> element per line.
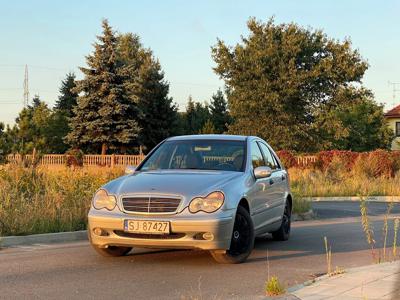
<point x="394" y="85"/>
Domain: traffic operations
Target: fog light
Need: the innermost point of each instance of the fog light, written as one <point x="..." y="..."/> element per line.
<point x="208" y="236"/>
<point x="98" y="231"/>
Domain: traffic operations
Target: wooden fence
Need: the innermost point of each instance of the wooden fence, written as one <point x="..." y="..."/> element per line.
<point x="305" y="160"/>
<point x="88" y="160"/>
<point x="113" y="160"/>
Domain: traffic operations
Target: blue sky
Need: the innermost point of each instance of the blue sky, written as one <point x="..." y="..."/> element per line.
<point x="53" y="37"/>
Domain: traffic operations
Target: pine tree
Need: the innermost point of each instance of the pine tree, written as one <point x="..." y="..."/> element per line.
<point x="68" y="96"/>
<point x="196" y="115"/>
<point x="190" y="117"/>
<point x="147" y="87"/>
<point x="158" y="113"/>
<point x="104" y="115"/>
<point x="220" y="117"/>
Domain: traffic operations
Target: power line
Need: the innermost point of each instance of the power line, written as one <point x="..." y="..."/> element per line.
<point x="33" y="66"/>
<point x="26" y="87"/>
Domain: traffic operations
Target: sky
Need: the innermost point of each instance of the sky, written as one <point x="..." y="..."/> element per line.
<point x="53" y="37"/>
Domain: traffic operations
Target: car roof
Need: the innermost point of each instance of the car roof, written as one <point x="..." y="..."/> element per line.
<point x="226" y="137"/>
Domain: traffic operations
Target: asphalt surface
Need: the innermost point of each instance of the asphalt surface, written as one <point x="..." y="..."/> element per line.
<point x="75" y="271"/>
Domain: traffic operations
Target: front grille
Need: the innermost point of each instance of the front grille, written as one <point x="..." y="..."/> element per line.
<point x="150" y="204"/>
<point x="171" y="236"/>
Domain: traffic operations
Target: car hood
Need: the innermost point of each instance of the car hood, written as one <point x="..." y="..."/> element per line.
<point x="185" y="183"/>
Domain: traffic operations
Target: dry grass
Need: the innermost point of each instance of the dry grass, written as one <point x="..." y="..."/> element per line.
<point x="47" y="200"/>
<point x="39" y="200"/>
<point x="315" y="183"/>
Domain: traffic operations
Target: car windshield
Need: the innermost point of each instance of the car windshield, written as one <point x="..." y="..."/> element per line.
<point x="197" y="154"/>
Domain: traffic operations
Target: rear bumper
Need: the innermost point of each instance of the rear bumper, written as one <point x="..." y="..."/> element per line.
<point x="186" y="233"/>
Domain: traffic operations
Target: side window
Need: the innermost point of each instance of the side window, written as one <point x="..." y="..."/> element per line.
<point x="256" y="157"/>
<point x="276" y="160"/>
<point x="397" y="128"/>
<point x="269" y="160"/>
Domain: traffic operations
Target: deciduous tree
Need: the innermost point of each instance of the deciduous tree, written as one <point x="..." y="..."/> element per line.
<point x="280" y="76"/>
<point x="356" y="125"/>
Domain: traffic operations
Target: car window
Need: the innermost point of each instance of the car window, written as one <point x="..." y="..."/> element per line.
<point x="224" y="155"/>
<point x="275" y="160"/>
<point x="269" y="160"/>
<point x="256" y="157"/>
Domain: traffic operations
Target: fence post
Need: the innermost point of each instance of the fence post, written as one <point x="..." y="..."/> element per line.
<point x="112" y="160"/>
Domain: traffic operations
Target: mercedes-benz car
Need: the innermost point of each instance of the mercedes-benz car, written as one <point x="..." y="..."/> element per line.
<point x="210" y="192"/>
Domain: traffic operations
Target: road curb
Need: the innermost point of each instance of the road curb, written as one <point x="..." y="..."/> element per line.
<point x="309" y="215"/>
<point x="292" y="289"/>
<point x="45" y="238"/>
<point x="354" y="199"/>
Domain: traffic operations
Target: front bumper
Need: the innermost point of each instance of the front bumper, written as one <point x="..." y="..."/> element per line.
<point x="186" y="230"/>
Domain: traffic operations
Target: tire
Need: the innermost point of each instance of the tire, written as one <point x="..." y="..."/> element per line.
<point x="242" y="241"/>
<point x="113" y="251"/>
<point x="283" y="233"/>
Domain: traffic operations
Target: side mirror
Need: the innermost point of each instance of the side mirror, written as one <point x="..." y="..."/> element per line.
<point x="129" y="170"/>
<point x="262" y="172"/>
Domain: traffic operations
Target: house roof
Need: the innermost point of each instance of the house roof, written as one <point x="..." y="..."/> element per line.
<point x="393" y="113"/>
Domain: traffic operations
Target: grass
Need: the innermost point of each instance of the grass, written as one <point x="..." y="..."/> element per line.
<point x="42" y="200"/>
<point x="300" y="204"/>
<point x="315" y="183"/>
<point x="328" y="256"/>
<point x="395" y="230"/>
<point x="274" y="287"/>
<point x="307" y="183"/>
<point x="328" y="252"/>
<point x="367" y="228"/>
<point x="379" y="255"/>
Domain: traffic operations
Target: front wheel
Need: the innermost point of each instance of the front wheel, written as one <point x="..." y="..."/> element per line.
<point x="242" y="241"/>
<point x="283" y="233"/>
<point x="112" y="251"/>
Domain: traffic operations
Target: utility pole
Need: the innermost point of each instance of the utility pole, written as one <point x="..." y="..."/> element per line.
<point x="26" y="87"/>
<point x="395" y="89"/>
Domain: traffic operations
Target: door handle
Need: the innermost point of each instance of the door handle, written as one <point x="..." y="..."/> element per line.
<point x="271" y="181"/>
<point x="283" y="177"/>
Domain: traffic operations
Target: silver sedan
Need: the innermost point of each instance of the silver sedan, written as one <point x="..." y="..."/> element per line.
<point x="211" y="192"/>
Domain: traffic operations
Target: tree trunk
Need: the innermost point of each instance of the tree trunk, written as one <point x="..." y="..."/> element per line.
<point x="103" y="149"/>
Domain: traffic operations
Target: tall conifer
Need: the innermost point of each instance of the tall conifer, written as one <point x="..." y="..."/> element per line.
<point x="104" y="115"/>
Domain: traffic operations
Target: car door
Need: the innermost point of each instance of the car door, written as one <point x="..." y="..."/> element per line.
<point x="278" y="178"/>
<point x="262" y="192"/>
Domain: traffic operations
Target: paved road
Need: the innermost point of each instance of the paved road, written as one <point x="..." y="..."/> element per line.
<point x="329" y="210"/>
<point x="74" y="271"/>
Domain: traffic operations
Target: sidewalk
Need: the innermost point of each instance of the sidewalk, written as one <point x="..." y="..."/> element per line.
<point x="380" y="281"/>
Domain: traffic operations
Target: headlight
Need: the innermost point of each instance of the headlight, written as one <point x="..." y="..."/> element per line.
<point x="207" y="204"/>
<point x="103" y="200"/>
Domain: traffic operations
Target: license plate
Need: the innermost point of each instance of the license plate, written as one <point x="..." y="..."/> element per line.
<point x="150" y="227"/>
